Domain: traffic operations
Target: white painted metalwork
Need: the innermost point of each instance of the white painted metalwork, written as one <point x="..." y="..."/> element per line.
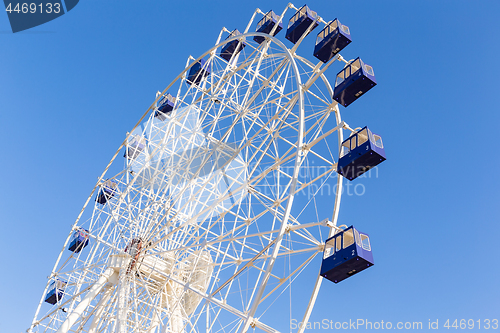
<point x="222" y="200"/>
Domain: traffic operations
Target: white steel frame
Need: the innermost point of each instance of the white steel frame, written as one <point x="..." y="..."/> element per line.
<point x="264" y="114"/>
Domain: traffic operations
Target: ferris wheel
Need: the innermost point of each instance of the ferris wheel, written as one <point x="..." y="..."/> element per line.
<point x="229" y="186"/>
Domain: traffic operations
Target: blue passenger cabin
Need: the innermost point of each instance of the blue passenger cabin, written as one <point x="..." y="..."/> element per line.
<point x="299" y="23"/>
<point x="353" y="81"/>
<point x="331" y="40"/>
<point x="360" y="152"/>
<point x="56" y="291"/>
<point x="107" y="191"/>
<point x="232" y="48"/>
<point x="266" y="24"/>
<point x="135" y="146"/>
<point x="164" y="106"/>
<point x="79" y="240"/>
<point x="346" y="253"/>
<point x="198" y="71"/>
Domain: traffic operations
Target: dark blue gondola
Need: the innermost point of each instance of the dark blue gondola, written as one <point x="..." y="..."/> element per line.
<point x="164" y="106"/>
<point x="107" y="191"/>
<point x="331" y="40"/>
<point x="79" y="240"/>
<point x="347" y="253"/>
<point x="360" y="152"/>
<point x="299" y="23"/>
<point x="135" y="146"/>
<point x="56" y="291"/>
<point x="233" y="47"/>
<point x="266" y="24"/>
<point x="353" y="81"/>
<point x="198" y="71"/>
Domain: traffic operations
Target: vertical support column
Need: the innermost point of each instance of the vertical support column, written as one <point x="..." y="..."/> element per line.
<point x="101" y="306"/>
<point x="80" y="308"/>
<point x="123" y="292"/>
<point x="172" y="299"/>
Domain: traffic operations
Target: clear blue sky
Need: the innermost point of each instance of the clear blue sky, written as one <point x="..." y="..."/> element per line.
<point x="71" y="89"/>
